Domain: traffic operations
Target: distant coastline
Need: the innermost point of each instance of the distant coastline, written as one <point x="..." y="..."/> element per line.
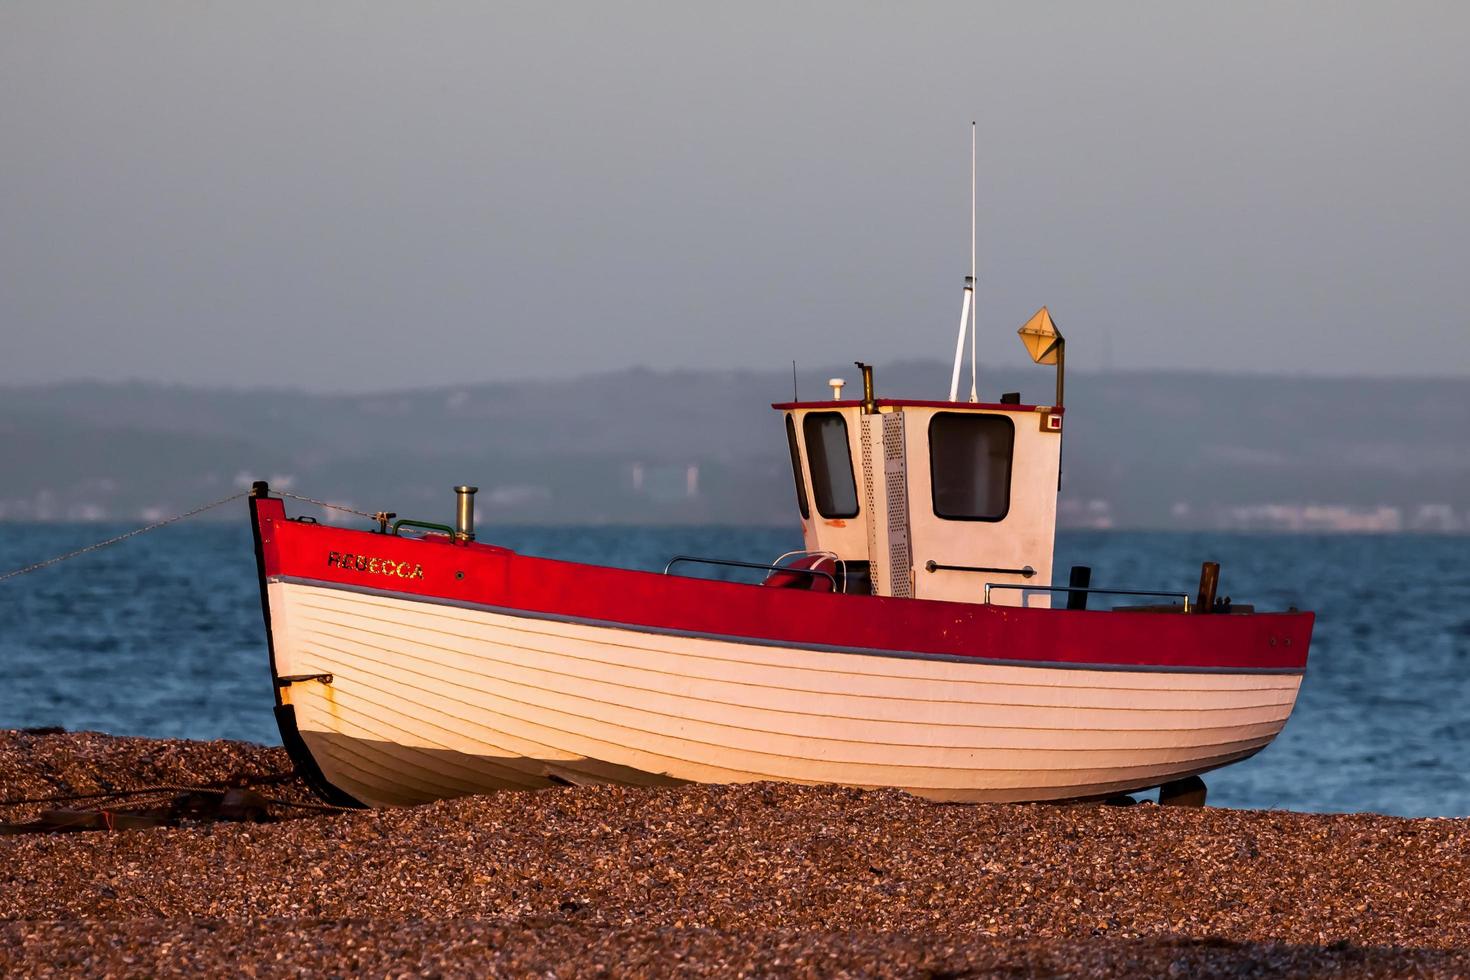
<point x="1146" y="450"/>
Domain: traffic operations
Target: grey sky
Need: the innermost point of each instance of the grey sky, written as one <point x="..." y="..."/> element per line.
<point x="349" y="195"/>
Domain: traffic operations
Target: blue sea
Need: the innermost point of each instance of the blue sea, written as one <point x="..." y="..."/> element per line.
<point x="162" y="636"/>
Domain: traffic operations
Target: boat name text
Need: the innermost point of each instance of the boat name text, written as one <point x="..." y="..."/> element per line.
<point x="374" y="566"/>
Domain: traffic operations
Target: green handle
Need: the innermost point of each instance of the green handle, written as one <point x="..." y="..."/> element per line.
<point x="426" y="525"/>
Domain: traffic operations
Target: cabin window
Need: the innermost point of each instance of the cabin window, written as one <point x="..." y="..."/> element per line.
<point x="796" y="468"/>
<point x="828" y="456"/>
<point x="970" y="465"/>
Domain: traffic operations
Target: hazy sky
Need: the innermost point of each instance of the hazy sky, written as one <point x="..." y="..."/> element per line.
<point x="354" y="195"/>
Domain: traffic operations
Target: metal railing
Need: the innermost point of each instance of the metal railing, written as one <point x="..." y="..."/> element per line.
<point x="838" y="564"/>
<point x="933" y="566"/>
<point x="1069" y="589"/>
<point x="730" y="563"/>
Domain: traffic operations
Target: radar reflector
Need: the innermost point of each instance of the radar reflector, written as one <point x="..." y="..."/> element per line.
<point x="1041" y="337"/>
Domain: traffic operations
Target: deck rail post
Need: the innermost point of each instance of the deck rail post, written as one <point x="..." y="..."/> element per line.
<point x="1079" y="579"/>
<point x="1209" y="584"/>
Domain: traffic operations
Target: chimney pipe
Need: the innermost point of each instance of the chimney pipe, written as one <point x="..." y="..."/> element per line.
<point x="464" y="513"/>
<point x="870" y="404"/>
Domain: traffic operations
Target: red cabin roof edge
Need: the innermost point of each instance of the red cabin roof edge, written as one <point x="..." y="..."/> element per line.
<point x="921" y="403"/>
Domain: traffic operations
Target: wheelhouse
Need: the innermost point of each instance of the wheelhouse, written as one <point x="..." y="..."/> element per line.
<point x="928" y="499"/>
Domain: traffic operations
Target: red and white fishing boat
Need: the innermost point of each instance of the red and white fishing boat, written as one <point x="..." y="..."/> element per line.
<point x="913" y="643"/>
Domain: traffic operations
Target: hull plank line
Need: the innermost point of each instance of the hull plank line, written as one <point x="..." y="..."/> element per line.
<point x="808" y="726"/>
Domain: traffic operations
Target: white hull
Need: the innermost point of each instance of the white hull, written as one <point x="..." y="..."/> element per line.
<point x="433" y="700"/>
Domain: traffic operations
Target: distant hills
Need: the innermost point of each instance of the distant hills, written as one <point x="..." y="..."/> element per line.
<point x="1144" y="450"/>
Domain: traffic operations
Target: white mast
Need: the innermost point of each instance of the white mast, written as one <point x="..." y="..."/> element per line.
<point x="974" y="312"/>
<point x="967" y="309"/>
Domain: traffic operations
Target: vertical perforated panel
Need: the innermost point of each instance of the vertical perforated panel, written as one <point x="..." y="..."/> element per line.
<point x="895" y="479"/>
<point x="870" y="512"/>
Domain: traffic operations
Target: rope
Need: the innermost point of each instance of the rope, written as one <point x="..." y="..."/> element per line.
<point x="328" y="506"/>
<point x="123" y="537"/>
<point x="218" y="791"/>
<point x="179" y="517"/>
<point x="270" y="779"/>
<point x="153" y="790"/>
<point x="162" y="788"/>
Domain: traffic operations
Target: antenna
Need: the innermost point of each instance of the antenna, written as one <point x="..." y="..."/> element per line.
<point x="794" y="396"/>
<point x="968" y="308"/>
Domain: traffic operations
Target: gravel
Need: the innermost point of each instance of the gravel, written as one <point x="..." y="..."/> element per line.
<point x="712" y="880"/>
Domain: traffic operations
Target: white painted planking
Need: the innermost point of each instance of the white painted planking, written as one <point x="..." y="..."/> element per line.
<point x="432" y="700"/>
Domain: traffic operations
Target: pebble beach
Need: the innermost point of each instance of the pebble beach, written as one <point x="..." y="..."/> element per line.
<point x="758" y="880"/>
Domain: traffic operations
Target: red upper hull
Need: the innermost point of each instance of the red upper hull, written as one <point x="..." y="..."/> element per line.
<point x="481" y="574"/>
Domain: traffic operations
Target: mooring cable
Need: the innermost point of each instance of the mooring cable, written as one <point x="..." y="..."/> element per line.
<point x="274" y="778"/>
<point x="175" y="519"/>
<point x="327" y="505"/>
<point x="163" y="788"/>
<point x="123" y="537"/>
